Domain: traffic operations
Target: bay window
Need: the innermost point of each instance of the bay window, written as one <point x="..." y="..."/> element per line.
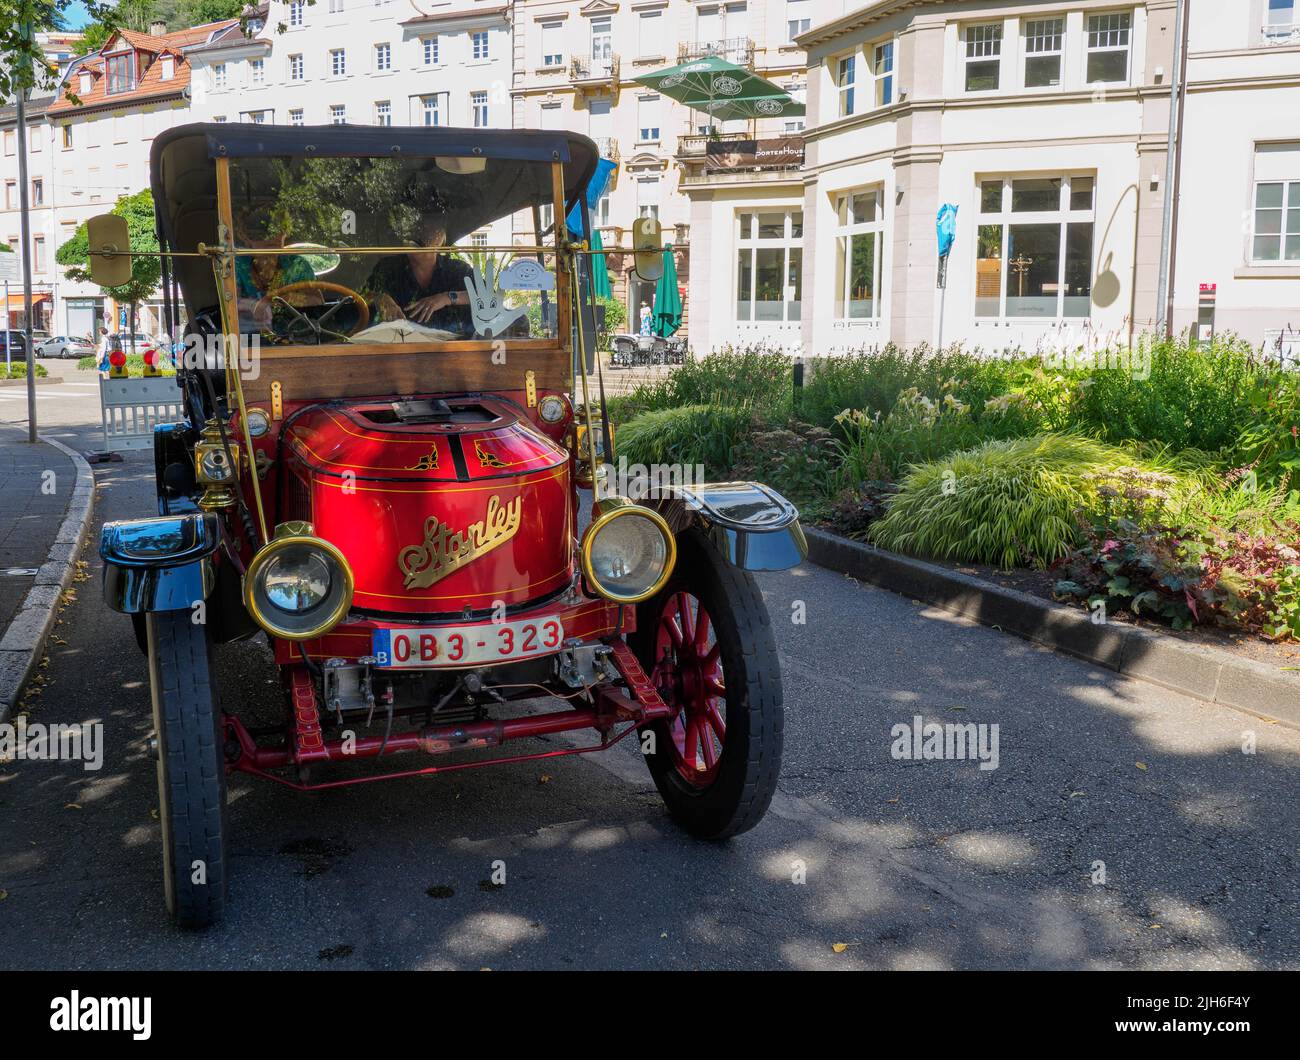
<point x="769" y="266"/>
<point x="859" y="238"/>
<point x="1034" y="257"/>
<point x="1108" y="47"/>
<point x="983" y="57"/>
<point x="1043" y="49"/>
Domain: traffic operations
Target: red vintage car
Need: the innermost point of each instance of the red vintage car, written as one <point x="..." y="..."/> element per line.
<point x="389" y="428"/>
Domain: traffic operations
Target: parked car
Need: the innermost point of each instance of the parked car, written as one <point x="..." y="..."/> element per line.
<point x="396" y="509"/>
<point x="63" y="346"/>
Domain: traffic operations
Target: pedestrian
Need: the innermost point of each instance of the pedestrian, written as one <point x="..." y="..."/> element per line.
<point x="645" y="319"/>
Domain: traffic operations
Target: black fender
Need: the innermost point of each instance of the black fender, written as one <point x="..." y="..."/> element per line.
<point x="173" y="463"/>
<point x="161" y="564"/>
<point x="749" y="523"/>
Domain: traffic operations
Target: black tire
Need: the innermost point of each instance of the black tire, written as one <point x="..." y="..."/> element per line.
<point x="750" y="764"/>
<point x="191" y="767"/>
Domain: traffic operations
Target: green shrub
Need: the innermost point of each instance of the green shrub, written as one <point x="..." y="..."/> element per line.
<point x="18" y="370"/>
<point x="134" y="364"/>
<point x="686" y="435"/>
<point x="798" y="459"/>
<point x="752" y="376"/>
<point x="1006" y="502"/>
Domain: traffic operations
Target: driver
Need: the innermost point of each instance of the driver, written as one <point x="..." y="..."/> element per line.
<point x="425" y="286"/>
<point x="258" y="275"/>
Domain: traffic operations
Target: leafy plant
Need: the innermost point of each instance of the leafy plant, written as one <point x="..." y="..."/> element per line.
<point x="687" y="435"/>
<point x="798" y="459"/>
<point x="1007" y="502"/>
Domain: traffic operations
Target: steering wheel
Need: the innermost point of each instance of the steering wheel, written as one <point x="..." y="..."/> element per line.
<point x="302" y="325"/>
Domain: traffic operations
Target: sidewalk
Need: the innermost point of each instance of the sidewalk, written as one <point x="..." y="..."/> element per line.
<point x="46" y="497"/>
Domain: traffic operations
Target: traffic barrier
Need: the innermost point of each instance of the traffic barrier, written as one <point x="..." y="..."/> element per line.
<point x="131" y="408"/>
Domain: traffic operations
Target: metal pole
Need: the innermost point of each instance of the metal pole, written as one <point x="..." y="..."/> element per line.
<point x="9" y="354"/>
<point x="25" y="227"/>
<point x="1178" y="173"/>
<point x="1166" y="224"/>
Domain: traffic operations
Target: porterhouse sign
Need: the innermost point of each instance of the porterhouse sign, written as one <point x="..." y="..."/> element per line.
<point x="445" y="550"/>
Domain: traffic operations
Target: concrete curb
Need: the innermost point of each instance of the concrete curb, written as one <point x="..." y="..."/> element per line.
<point x="49" y="380"/>
<point x="1208" y="674"/>
<point x="24" y="641"/>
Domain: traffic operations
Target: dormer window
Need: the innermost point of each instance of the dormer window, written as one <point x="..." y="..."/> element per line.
<point x="121" y="73"/>
<point x="86" y="83"/>
<point x="168" y="67"/>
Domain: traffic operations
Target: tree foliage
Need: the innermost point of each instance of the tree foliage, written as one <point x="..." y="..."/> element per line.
<point x="146" y="272"/>
<point x="24" y="66"/>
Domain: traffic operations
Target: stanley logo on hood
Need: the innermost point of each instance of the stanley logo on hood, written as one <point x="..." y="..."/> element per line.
<point x="445" y="551"/>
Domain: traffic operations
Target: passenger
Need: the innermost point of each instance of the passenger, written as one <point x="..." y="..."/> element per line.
<point x="425" y="286"/>
<point x="258" y="275"/>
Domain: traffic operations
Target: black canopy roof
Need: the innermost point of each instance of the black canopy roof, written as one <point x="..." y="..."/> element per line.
<point x="184" y="183"/>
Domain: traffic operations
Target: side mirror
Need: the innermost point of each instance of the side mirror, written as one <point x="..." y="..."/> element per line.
<point x="648" y="244"/>
<point x="110" y="250"/>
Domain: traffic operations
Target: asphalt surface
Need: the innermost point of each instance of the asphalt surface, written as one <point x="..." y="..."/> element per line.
<point x="894" y="863"/>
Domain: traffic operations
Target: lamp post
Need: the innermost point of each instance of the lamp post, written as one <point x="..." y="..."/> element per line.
<point x="25" y="228"/>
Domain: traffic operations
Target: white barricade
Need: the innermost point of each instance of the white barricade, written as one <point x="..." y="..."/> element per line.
<point x="131" y="408"/>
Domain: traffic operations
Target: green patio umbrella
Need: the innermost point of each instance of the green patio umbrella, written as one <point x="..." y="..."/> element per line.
<point x="723" y="90"/>
<point x="667" y="316"/>
<point x="599" y="270"/>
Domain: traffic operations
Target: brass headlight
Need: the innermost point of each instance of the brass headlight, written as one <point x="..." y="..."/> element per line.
<point x="298" y="586"/>
<point x="628" y="551"/>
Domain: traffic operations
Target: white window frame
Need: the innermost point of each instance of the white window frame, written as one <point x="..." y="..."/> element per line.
<point x="338" y="62"/>
<point x="1043" y="38"/>
<point x="845" y="232"/>
<point x="220" y="76"/>
<point x="256" y="72"/>
<point x="383" y="57"/>
<point x="297" y="9"/>
<point x="480" y="114"/>
<point x="1288" y="222"/>
<point x="338" y="113"/>
<point x="551" y="30"/>
<point x="798" y="20"/>
<point x="429" y="50"/>
<point x="649" y="34"/>
<point x="295" y="116"/>
<point x="753" y="243"/>
<point x="884" y="83"/>
<point x="1064" y="215"/>
<point x="383" y="112"/>
<point x="433" y="106"/>
<point x="1109" y="39"/>
<point x="297" y="68"/>
<point x="652" y="207"/>
<point x="480" y="45"/>
<point x="846" y="82"/>
<point x="981" y="44"/>
<point x="649" y="134"/>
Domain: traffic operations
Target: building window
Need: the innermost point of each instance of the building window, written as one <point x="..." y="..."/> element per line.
<point x="647" y="197"/>
<point x="384" y="112"/>
<point x="38" y="254"/>
<point x="479" y="44"/>
<point x="121" y="73"/>
<point x="67" y="137"/>
<point x="257" y="117"/>
<point x="1043" y="47"/>
<point x="647" y="115"/>
<point x="553" y="43"/>
<point x="383" y="57"/>
<point x="257" y="71"/>
<point x="983" y="57"/>
<point x="478" y="108"/>
<point x="600" y="217"/>
<point x="219" y="75"/>
<point x="295" y="116"/>
<point x="338" y="114"/>
<point x="1035" y="248"/>
<point x="432" y="110"/>
<point x="429" y="50"/>
<point x="1108" y="47"/>
<point x="478" y="239"/>
<point x="845" y="80"/>
<point x="11" y="194"/>
<point x="883" y="69"/>
<point x="769" y="266"/>
<point x="296" y="9"/>
<point x="1281" y="26"/>
<point x="798" y="18"/>
<point x="219" y="119"/>
<point x="1275" y="234"/>
<point x="296" y="68"/>
<point x="650" y="40"/>
<point x="859" y="244"/>
<point x="38" y="192"/>
<point x="338" y="62"/>
<point x="336" y="7"/>
<point x="168" y="67"/>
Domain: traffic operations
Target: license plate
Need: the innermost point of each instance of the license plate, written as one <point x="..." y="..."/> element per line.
<point x="472" y="645"/>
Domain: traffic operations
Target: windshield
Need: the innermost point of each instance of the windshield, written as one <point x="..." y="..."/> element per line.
<point x="447" y="249"/>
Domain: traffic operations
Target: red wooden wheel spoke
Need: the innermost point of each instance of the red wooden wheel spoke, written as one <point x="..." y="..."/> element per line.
<point x="715" y="687"/>
<point x="710" y="750"/>
<point x="692" y="744"/>
<point x="671" y="625"/>
<point x="685" y="617"/>
<point x="712" y="656"/>
<point x="702" y="632"/>
<point x="715" y="719"/>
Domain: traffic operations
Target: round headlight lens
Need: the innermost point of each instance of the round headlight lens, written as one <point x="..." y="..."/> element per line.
<point x="296" y="581"/>
<point x="552" y="409"/>
<point x="258" y="423"/>
<point x="214" y="467"/>
<point x="628" y="554"/>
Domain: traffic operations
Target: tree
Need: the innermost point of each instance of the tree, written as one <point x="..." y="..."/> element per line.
<point x="146" y="272"/>
<point x="24" y="65"/>
<point x="136" y="14"/>
<point x="199" y="12"/>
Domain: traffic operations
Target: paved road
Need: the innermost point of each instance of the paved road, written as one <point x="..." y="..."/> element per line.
<point x="911" y="864"/>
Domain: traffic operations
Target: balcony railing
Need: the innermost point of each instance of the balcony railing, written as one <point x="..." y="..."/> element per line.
<point x="738" y="50"/>
<point x="594" y="68"/>
<point x="608" y="147"/>
<point x="1283" y="33"/>
<point x="770" y="153"/>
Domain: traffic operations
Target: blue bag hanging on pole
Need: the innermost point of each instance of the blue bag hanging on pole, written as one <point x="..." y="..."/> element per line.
<point x="596" y="187"/>
<point x="945" y="226"/>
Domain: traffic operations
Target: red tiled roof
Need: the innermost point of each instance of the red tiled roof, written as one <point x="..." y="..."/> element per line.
<point x="151" y="85"/>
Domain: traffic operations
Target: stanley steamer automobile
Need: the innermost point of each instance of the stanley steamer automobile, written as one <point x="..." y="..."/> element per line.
<point x="385" y="480"/>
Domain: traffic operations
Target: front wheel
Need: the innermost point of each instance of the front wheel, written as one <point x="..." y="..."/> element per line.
<point x="191" y="768"/>
<point x="706" y="642"/>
